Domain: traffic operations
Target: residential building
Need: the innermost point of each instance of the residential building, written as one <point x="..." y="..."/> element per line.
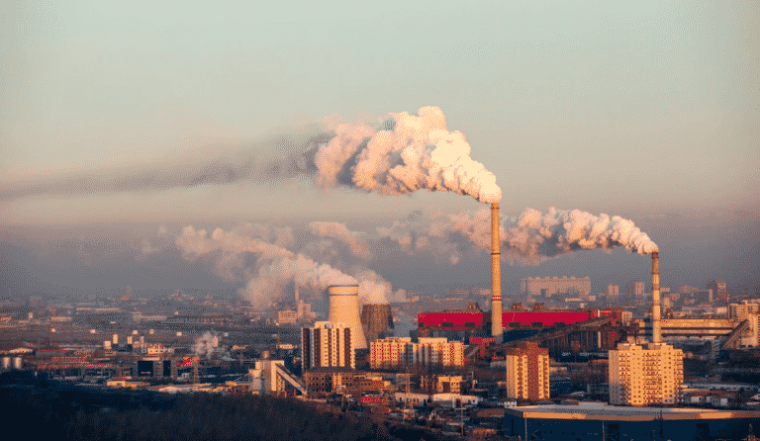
<point x="527" y="372"/>
<point x="327" y="345"/>
<point x="613" y="291"/>
<point x="395" y="352"/>
<point x="645" y="375"/>
<point x="634" y="288"/>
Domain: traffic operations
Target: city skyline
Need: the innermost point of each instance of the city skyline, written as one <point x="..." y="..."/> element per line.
<point x="122" y="128"/>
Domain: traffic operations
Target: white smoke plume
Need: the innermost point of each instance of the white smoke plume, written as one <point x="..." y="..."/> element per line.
<point x="534" y="236"/>
<point x="276" y="268"/>
<point x="408" y="153"/>
<point x="205" y="344"/>
<point x="341" y="232"/>
<point x="404" y="154"/>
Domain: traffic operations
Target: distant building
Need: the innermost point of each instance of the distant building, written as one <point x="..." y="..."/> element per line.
<point x="645" y="375"/>
<point x="750" y="336"/>
<point x="395" y="352"/>
<point x="527" y="372"/>
<point x="287" y="317"/>
<point x="718" y="288"/>
<point x="327" y="345"/>
<point x="634" y="288"/>
<point x="613" y="290"/>
<point x="551" y="286"/>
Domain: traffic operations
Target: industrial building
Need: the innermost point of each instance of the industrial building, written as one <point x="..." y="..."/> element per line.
<point x="552" y="286"/>
<point x="594" y="421"/>
<point x="377" y="321"/>
<point x="327" y="345"/>
<point x="344" y="308"/>
<point x="527" y="372"/>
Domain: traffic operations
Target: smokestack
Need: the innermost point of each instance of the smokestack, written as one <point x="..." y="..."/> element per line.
<point x="496" y="328"/>
<point x="656" y="331"/>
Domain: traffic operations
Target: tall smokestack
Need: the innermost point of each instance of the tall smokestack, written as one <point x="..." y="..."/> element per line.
<point x="656" y="331"/>
<point x="496" y="328"/>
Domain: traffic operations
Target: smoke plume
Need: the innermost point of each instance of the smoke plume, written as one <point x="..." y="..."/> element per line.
<point x="405" y="154"/>
<point x="534" y="236"/>
<point x="276" y="269"/>
<point x="205" y="344"/>
<point x="340" y="231"/>
<point x="408" y="153"/>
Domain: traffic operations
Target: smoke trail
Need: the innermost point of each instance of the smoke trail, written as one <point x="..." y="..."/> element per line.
<point x="534" y="237"/>
<point x="405" y="154"/>
<point x="340" y="231"/>
<point x="276" y="268"/>
<point x="205" y="344"/>
<point x="409" y="153"/>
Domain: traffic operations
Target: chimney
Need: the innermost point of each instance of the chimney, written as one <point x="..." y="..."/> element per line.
<point x="496" y="328"/>
<point x="656" y="331"/>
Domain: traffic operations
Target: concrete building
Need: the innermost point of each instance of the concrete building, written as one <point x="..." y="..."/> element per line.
<point x="613" y="291"/>
<point x="527" y="372"/>
<point x="634" y="288"/>
<point x="645" y="375"/>
<point x="327" y="345"/>
<point x="287" y="317"/>
<point x="598" y="421"/>
<point x="394" y="352"/>
<point x="388" y="353"/>
<point x="551" y="286"/>
<point x="436" y="352"/>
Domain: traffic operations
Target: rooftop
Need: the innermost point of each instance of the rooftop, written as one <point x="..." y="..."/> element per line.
<point x="602" y="411"/>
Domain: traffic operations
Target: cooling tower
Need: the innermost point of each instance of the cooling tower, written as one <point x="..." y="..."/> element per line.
<point x="496" y="328"/>
<point x="344" y="308"/>
<point x="656" y="331"/>
<point x="377" y="321"/>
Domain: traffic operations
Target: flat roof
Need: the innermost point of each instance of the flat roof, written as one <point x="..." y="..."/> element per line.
<point x="602" y="411"/>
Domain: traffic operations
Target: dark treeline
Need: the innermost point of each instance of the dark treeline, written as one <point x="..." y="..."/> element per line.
<point x="41" y="410"/>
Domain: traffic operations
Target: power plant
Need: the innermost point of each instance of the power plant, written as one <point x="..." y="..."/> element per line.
<point x="377" y="321"/>
<point x="496" y="327"/>
<point x="344" y="308"/>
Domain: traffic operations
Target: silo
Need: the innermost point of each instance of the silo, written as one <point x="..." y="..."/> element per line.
<point x="377" y="321"/>
<point x="344" y="308"/>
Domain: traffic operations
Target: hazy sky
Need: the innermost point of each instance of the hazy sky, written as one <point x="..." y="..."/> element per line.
<point x="117" y="118"/>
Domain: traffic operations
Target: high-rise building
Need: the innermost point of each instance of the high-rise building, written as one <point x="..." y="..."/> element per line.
<point x="436" y="352"/>
<point x="527" y="372"/>
<point x="327" y="345"/>
<point x="750" y="312"/>
<point x="634" y="288"/>
<point x="395" y="352"/>
<point x="388" y="353"/>
<point x="613" y="290"/>
<point x="645" y="375"/>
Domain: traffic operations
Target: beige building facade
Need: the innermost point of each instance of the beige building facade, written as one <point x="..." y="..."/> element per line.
<point x="394" y="352"/>
<point x="527" y="372"/>
<point x="327" y="345"/>
<point x="645" y="375"/>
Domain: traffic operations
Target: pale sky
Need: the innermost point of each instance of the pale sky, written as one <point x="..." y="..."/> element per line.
<point x="631" y="108"/>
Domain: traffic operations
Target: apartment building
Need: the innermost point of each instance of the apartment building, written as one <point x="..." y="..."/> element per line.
<point x="327" y="345"/>
<point x="395" y="352"/>
<point x="645" y="375"/>
<point x="527" y="372"/>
